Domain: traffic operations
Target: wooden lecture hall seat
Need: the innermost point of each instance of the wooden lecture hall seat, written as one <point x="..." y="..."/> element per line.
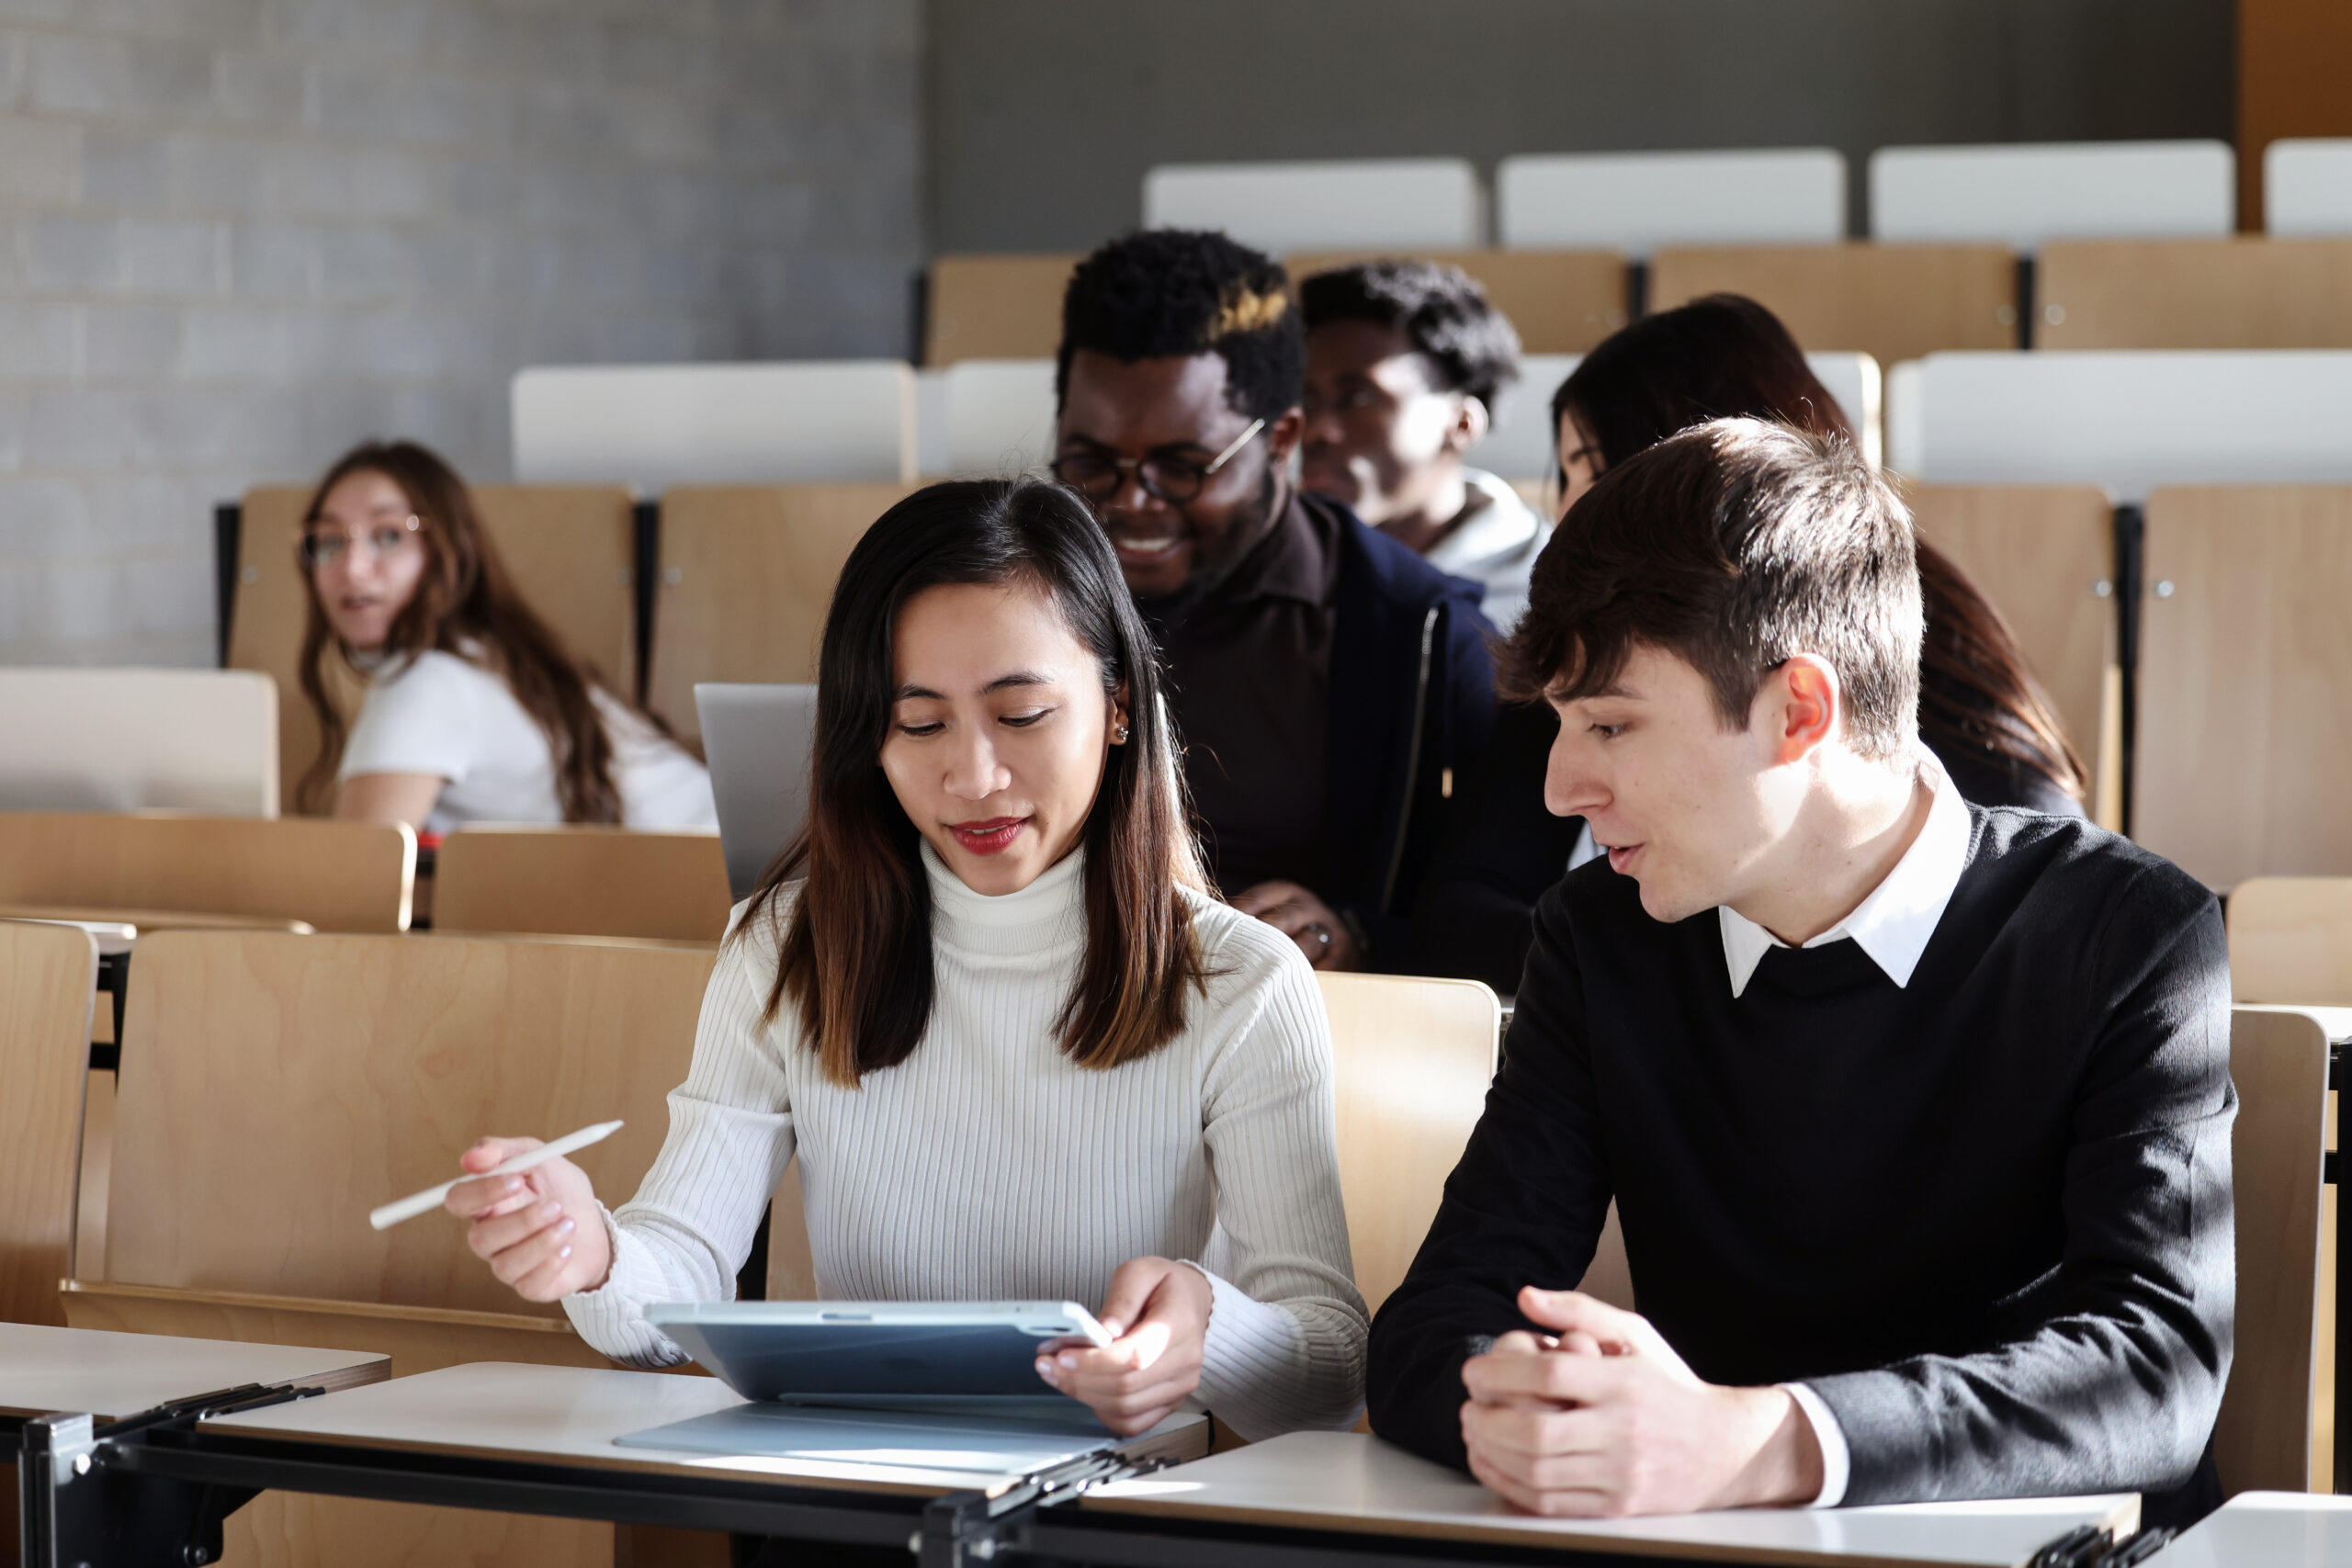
<point x="2290" y="939"/>
<point x="1559" y="302"/>
<point x="2266" y="1438"/>
<point x="570" y="548"/>
<point x="2248" y="291"/>
<point x="161" y="871"/>
<point x="48" y="973"/>
<point x="2042" y="554"/>
<point x="995" y="306"/>
<point x="2243" y="737"/>
<point x="580" y="881"/>
<point x="310" y="1078"/>
<point x="1894" y="303"/>
<point x="747" y="572"/>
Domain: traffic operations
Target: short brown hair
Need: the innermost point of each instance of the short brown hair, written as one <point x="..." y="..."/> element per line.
<point x="1732" y="545"/>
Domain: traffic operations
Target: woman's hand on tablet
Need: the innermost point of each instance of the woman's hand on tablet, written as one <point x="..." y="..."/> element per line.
<point x="1157" y="1312"/>
<point x="538" y="1230"/>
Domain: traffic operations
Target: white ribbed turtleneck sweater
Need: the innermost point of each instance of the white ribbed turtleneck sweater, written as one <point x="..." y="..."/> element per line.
<point x="987" y="1165"/>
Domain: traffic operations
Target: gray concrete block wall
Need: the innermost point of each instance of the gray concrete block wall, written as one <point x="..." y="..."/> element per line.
<point x="238" y="235"/>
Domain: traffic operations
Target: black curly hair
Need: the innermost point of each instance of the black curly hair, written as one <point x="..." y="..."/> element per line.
<point x="1441" y="311"/>
<point x="1170" y="293"/>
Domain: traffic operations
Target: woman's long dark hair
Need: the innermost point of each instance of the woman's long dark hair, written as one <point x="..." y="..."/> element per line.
<point x="1727" y="356"/>
<point x="464" y="601"/>
<point x="856" y="952"/>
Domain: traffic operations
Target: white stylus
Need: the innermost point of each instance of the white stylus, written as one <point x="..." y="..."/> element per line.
<point x="432" y="1198"/>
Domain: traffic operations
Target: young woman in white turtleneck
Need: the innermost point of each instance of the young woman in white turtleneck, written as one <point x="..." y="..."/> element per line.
<point x="1017" y="1046"/>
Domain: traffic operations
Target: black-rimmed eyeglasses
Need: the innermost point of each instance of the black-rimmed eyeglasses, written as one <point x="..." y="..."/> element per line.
<point x="1098" y="476"/>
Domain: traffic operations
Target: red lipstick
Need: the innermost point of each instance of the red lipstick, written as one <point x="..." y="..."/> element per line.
<point x="992" y="837"/>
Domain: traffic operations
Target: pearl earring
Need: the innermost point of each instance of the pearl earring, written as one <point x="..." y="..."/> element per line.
<point x="1121" y="737"/>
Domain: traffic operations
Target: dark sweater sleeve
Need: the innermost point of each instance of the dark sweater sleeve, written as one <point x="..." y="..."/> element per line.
<point x="1524" y="1207"/>
<point x="2115" y="1376"/>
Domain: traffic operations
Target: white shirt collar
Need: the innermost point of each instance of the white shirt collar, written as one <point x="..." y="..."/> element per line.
<point x="1892" y="925"/>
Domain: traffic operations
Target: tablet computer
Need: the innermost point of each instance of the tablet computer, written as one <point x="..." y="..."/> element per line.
<point x="881" y="1355"/>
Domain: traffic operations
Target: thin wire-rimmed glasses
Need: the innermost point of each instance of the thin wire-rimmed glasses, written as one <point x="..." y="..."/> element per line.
<point x="327" y="546"/>
<point x="1173" y="479"/>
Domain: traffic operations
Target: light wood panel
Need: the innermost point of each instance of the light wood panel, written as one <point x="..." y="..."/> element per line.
<point x="996" y="307"/>
<point x="2278" y="1061"/>
<point x="47" y="979"/>
<point x="570" y="549"/>
<point x="1411" y="1060"/>
<point x="1559" y="302"/>
<point x="2041" y="553"/>
<point x="2245" y="736"/>
<point x="2247" y="292"/>
<point x="1896" y="302"/>
<point x="2290" y="939"/>
<point x="367" y="1064"/>
<point x="747" y="573"/>
<point x="582" y="882"/>
<point x="336" y="877"/>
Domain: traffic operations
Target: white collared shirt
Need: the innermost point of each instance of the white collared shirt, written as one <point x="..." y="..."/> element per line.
<point x="1892" y="925"/>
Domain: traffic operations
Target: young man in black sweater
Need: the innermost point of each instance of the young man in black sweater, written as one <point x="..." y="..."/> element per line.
<point x="1916" y="1114"/>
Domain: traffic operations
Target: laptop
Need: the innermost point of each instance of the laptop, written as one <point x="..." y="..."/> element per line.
<point x="758" y="742"/>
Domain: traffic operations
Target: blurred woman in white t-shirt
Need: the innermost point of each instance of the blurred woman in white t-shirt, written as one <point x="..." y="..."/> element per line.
<point x="475" y="712"/>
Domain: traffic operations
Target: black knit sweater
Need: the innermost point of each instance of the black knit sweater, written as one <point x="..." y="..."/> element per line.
<point x="1985" y="1216"/>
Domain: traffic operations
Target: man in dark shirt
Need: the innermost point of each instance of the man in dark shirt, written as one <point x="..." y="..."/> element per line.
<point x="1327" y="682"/>
<point x="1917" y="1113"/>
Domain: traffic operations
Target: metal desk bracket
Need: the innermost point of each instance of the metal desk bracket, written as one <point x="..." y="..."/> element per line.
<point x="81" y="1512"/>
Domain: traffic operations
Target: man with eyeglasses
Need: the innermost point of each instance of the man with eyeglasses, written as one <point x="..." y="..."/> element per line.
<point x="1330" y="687"/>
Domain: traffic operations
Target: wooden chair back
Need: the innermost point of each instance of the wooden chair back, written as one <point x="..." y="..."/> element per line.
<point x="747" y="574"/>
<point x="310" y="1078"/>
<point x="570" y="550"/>
<point x="2290" y="939"/>
<point x="334" y="876"/>
<point x="48" y="978"/>
<point x="2043" y="554"/>
<point x="2244" y="735"/>
<point x="80" y="739"/>
<point x="1559" y="302"/>
<point x="368" y="1064"/>
<point x="582" y="882"/>
<point x="996" y="307"/>
<point x="1411" y="1060"/>
<point x="1894" y="303"/>
<point x="2278" y="1060"/>
<point x="2242" y="292"/>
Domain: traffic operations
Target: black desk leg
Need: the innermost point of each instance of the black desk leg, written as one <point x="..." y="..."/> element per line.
<point x="78" y="1512"/>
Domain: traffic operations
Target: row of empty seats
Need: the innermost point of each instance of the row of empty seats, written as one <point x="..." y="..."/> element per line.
<point x="1893" y="302"/>
<point x="2024" y="195"/>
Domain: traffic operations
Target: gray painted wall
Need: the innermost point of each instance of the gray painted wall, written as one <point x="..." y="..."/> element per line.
<point x="1044" y="114"/>
<point x="238" y="235"/>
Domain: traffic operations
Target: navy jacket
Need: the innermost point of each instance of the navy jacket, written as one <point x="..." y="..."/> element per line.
<point x="1412" y="710"/>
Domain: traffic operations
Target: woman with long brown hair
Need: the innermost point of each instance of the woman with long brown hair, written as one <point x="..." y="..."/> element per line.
<point x="987" y="998"/>
<point x="475" y="711"/>
<point x="1981" y="711"/>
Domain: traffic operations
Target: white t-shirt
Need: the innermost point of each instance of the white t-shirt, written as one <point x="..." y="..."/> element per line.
<point x="446" y="716"/>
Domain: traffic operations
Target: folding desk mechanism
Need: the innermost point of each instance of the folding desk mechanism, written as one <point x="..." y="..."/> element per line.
<point x="83" y="1507"/>
<point x="964" y="1528"/>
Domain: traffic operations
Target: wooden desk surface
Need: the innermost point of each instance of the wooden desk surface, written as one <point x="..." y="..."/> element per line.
<point x="2276" y="1530"/>
<point x="1345" y="1481"/>
<point x="48" y="1371"/>
<point x="572" y="1415"/>
<point x="152" y="920"/>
